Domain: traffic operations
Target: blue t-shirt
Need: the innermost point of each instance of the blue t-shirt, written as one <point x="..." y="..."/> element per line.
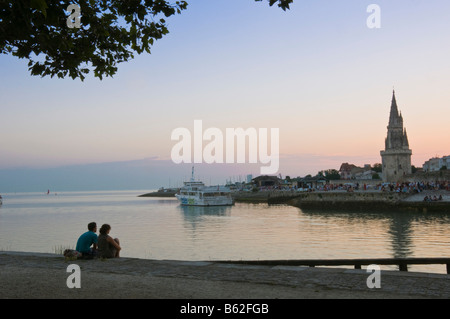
<point x="85" y="241"/>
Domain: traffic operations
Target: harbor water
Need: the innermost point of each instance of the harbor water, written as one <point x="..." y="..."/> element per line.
<point x="159" y="228"/>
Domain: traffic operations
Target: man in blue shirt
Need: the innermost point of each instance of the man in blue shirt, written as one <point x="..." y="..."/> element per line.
<point x="86" y="240"/>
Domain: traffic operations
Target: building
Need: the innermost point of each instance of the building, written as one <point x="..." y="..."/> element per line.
<point x="346" y="170"/>
<point x="435" y="164"/>
<point x="351" y="171"/>
<point x="311" y="182"/>
<point x="267" y="181"/>
<point x="445" y="161"/>
<point x="363" y="173"/>
<point x="396" y="157"/>
<point x="432" y="165"/>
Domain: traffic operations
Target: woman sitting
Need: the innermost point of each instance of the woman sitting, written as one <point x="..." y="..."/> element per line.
<point x="107" y="246"/>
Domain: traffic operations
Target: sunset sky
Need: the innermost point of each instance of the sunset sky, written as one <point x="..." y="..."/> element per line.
<point x="316" y="72"/>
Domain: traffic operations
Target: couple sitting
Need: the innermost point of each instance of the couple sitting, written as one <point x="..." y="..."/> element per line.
<point x="104" y="246"/>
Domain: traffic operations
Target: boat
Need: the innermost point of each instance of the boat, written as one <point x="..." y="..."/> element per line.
<point x="196" y="193"/>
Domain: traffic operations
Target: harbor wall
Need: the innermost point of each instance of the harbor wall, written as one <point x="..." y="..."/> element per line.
<point x="366" y="201"/>
<point x="252" y="197"/>
<point x="341" y="200"/>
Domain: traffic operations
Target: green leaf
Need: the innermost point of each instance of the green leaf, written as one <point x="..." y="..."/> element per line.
<point x="40" y="5"/>
<point x="97" y="47"/>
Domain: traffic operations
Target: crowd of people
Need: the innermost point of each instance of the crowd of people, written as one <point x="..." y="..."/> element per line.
<point x="416" y="187"/>
<point x="432" y="199"/>
<point x="350" y="186"/>
<point x="405" y="187"/>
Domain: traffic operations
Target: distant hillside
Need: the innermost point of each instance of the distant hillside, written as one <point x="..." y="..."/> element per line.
<point x="138" y="174"/>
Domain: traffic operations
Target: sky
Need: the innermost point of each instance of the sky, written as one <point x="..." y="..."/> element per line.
<point x="316" y="72"/>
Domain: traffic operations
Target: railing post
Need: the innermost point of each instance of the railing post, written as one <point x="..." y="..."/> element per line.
<point x="356" y="263"/>
<point x="403" y="267"/>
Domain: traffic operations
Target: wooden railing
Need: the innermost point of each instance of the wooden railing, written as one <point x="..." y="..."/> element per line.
<point x="357" y="263"/>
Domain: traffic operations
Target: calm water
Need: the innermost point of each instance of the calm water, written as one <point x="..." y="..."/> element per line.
<point x="158" y="228"/>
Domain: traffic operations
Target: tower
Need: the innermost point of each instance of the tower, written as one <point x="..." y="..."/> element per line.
<point x="396" y="158"/>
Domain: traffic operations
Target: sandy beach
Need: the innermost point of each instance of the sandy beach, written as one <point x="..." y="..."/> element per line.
<point x="36" y="275"/>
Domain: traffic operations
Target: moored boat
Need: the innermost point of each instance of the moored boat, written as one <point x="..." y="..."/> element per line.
<point x="196" y="193"/>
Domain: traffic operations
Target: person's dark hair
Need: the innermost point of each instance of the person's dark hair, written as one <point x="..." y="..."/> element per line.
<point x="104" y="229"/>
<point x="91" y="226"/>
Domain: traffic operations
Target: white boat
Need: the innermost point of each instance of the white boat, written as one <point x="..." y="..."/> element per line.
<point x="195" y="193"/>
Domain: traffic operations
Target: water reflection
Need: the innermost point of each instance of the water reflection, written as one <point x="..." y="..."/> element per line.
<point x="399" y="227"/>
<point x="203" y="229"/>
<point x="401" y="233"/>
<point x="198" y="213"/>
<point x="157" y="201"/>
<point x="161" y="228"/>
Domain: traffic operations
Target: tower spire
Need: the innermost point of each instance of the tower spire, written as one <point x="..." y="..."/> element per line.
<point x="405" y="138"/>
<point x="394" y="115"/>
<point x="396" y="157"/>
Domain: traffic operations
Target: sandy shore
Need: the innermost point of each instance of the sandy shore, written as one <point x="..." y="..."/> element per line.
<point x="34" y="275"/>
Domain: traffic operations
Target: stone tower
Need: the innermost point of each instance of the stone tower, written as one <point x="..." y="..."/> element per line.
<point x="396" y="158"/>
